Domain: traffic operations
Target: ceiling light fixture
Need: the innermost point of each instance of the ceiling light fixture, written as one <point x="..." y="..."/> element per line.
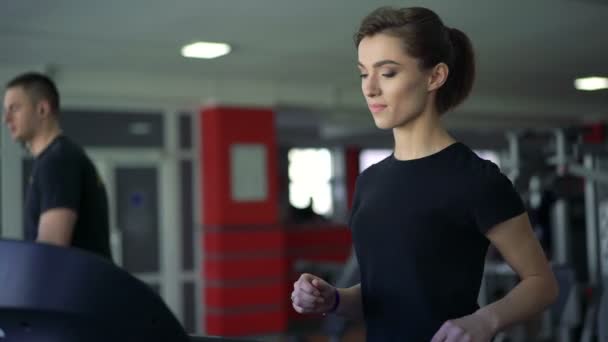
<point x="207" y="50"/>
<point x="591" y="83"/>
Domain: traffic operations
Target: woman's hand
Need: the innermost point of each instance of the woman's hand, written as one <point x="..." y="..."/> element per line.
<point x="471" y="328"/>
<point x="312" y="294"/>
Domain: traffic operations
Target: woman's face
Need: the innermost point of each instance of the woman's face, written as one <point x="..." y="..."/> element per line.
<point x="395" y="88"/>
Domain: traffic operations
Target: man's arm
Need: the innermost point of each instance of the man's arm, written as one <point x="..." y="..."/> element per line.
<point x="56" y="226"/>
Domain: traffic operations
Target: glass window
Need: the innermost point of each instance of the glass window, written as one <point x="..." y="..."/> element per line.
<point x="310" y="176"/>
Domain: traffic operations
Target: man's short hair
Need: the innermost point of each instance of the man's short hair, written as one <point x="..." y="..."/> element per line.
<point x="39" y="87"/>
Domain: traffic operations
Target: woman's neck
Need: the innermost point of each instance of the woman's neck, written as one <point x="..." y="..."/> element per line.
<point x="421" y="137"/>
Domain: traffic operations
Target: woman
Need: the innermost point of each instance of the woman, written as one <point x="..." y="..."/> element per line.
<point x="423" y="218"/>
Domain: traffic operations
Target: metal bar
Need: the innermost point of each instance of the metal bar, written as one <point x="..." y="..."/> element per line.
<point x="561" y="233"/>
<point x="513" y="156"/>
<point x="582" y="171"/>
<point x="591" y="224"/>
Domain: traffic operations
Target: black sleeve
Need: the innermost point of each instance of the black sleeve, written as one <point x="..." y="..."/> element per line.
<point x="493" y="197"/>
<point x="60" y="183"/>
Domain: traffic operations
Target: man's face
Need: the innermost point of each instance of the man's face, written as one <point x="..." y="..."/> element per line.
<point x="20" y="114"/>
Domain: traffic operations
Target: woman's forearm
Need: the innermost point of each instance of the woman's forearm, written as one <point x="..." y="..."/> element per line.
<point x="351" y="304"/>
<point x="530" y="297"/>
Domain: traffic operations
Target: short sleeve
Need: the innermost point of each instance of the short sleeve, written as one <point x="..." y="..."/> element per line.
<point x="493" y="197"/>
<point x="60" y="183"/>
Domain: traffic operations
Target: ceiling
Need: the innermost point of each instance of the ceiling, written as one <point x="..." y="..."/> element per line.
<point x="299" y="56"/>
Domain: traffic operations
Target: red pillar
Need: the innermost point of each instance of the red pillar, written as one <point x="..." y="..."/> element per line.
<point x="352" y="171"/>
<point x="244" y="266"/>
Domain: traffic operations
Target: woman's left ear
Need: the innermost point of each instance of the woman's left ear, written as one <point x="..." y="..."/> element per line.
<point x="438" y="76"/>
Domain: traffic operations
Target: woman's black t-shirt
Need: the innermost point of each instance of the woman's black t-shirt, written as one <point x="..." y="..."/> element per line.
<point x="418" y="229"/>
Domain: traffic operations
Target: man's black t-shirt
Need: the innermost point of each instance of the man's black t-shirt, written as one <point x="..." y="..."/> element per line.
<point x="418" y="230"/>
<point x="64" y="177"/>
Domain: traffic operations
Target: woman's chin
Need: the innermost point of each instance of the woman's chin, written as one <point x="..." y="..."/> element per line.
<point x="381" y="124"/>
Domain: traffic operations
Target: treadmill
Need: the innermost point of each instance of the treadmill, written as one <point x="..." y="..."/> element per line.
<point x="57" y="294"/>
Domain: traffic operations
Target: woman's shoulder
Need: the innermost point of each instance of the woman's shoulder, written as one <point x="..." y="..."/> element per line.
<point x="375" y="169"/>
<point x="473" y="162"/>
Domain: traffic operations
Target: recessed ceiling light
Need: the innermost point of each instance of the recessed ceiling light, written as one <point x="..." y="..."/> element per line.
<point x="591" y="83"/>
<point x="206" y="50"/>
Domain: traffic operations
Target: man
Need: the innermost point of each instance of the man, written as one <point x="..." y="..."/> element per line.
<point x="66" y="201"/>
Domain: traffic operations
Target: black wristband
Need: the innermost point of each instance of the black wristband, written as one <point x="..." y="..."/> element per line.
<point x="336" y="302"/>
